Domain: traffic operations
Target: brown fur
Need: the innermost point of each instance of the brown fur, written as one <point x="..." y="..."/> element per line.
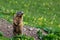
<point x="18" y="25"/>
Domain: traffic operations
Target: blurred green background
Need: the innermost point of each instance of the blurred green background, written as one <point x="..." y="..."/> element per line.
<point x="43" y="14"/>
<point x="37" y="13"/>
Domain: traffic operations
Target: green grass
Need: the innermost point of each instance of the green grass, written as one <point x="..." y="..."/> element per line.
<point x="50" y="36"/>
<point x="37" y="13"/>
<point x="17" y="37"/>
<point x="2" y="37"/>
<point x="22" y="37"/>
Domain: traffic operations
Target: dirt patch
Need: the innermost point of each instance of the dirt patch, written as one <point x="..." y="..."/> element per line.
<point x="7" y="29"/>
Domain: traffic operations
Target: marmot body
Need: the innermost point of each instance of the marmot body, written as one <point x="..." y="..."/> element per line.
<point x="18" y="23"/>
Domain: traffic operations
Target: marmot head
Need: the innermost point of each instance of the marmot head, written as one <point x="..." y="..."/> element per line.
<point x="19" y="14"/>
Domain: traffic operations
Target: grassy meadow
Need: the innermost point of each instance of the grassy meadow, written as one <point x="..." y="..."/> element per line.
<point x="37" y="13"/>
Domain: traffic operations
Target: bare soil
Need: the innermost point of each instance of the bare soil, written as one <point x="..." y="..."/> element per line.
<point x="7" y="29"/>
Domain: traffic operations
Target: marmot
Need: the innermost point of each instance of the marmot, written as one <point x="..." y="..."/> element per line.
<point x="18" y="23"/>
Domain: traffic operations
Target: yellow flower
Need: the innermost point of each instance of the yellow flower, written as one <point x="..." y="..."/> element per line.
<point x="40" y="23"/>
<point x="24" y="15"/>
<point x="7" y="11"/>
<point x="59" y="25"/>
<point x="25" y="22"/>
<point x="51" y="22"/>
<point x="44" y="19"/>
<point x="40" y="18"/>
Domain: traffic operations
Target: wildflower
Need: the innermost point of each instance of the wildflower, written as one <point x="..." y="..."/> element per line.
<point x="40" y="23"/>
<point x="51" y="22"/>
<point x="7" y="11"/>
<point x="24" y="15"/>
<point x="40" y="18"/>
<point x="25" y="22"/>
<point x="44" y="19"/>
<point x="59" y="25"/>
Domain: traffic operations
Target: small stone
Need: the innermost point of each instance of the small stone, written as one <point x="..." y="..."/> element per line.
<point x="30" y="32"/>
<point x="30" y="29"/>
<point x="9" y="27"/>
<point x="36" y="37"/>
<point x="24" y="29"/>
<point x="34" y="33"/>
<point x="38" y="29"/>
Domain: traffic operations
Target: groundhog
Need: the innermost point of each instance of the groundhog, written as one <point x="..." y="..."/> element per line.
<point x="18" y="23"/>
